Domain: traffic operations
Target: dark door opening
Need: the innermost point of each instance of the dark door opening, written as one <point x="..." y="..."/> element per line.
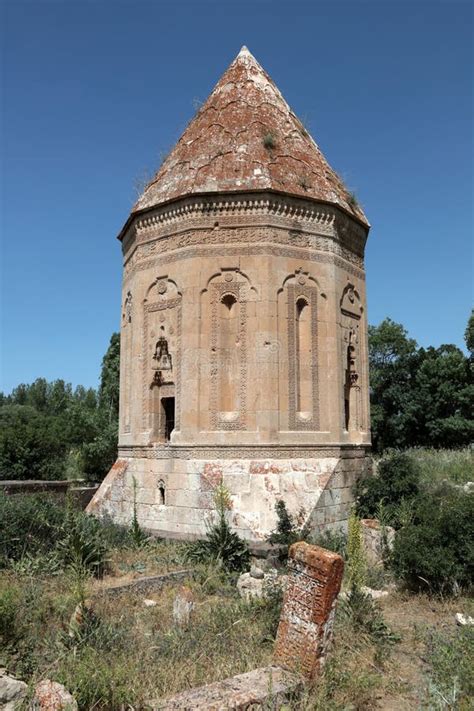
<point x="167" y="405"/>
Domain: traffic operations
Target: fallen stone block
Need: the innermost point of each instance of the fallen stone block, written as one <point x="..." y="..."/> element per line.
<point x="12" y="692"/>
<point x="270" y="687"/>
<point x="375" y="539"/>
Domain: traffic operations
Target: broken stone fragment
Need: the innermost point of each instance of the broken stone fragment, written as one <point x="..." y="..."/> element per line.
<point x="51" y="696"/>
<point x="150" y="603"/>
<point x="376" y="539"/>
<point x="12" y="691"/>
<point x="256" y="572"/>
<point x="464" y="620"/>
<point x="183" y="606"/>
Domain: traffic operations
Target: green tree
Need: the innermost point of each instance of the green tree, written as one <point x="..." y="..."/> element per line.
<point x="48" y="431"/>
<point x="469" y="335"/>
<point x="418" y="396"/>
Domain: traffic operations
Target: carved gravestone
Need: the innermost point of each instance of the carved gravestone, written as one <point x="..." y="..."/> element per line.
<point x="307" y="616"/>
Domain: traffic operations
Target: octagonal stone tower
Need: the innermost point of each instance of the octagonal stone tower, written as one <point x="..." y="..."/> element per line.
<point x="244" y="334"/>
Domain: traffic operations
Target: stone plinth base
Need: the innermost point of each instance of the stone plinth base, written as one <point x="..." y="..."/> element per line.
<point x="174" y="495"/>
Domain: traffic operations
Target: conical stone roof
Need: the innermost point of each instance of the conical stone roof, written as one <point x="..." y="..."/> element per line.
<point x="246" y="138"/>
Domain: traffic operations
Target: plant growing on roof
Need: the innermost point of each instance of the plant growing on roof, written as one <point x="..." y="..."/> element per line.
<point x="269" y="140"/>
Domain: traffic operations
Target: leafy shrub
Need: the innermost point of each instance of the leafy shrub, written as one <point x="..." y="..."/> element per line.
<point x="288" y="529"/>
<point x="42" y="535"/>
<point x="335" y="541"/>
<point x="29" y="524"/>
<point x="366" y="618"/>
<point x="397" y="480"/>
<point x="435" y="551"/>
<point x="356" y="562"/>
<point x="83" y="543"/>
<point x="449" y="655"/>
<point x="221" y="545"/>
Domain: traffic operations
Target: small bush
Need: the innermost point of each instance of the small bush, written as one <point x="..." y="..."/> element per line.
<point x="29" y="524"/>
<point x="435" y="551"/>
<point x="449" y="656"/>
<point x="366" y="618"/>
<point x="269" y="140"/>
<point x="356" y="561"/>
<point x="335" y="541"/>
<point x="83" y="543"/>
<point x="397" y="480"/>
<point x="288" y="530"/>
<point x="221" y="545"/>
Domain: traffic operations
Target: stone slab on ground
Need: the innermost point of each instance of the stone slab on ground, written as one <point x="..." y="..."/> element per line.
<point x="270" y="686"/>
<point x="12" y="692"/>
<point x="150" y="583"/>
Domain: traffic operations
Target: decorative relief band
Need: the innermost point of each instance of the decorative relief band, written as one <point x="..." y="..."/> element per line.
<point x="301" y="221"/>
<point x="244" y="250"/>
<point x="244" y="452"/>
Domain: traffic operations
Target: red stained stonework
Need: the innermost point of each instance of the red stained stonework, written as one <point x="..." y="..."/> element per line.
<point x="265" y="468"/>
<point x="306" y="621"/>
<point x="211" y="476"/>
<point x="245" y="137"/>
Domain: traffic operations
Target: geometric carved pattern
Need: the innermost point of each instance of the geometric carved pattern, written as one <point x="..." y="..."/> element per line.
<point x="134" y="264"/>
<point x="147" y="309"/>
<point x="350" y="342"/>
<point x="250" y="452"/>
<point x="309" y="295"/>
<point x="218" y="292"/>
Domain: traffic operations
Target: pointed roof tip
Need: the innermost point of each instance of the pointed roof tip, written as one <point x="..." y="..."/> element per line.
<point x="223" y="149"/>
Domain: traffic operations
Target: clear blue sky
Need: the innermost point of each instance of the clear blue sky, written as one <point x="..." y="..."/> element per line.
<point x="93" y="91"/>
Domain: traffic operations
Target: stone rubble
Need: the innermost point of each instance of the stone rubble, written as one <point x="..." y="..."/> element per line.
<point x="464" y="620"/>
<point x="12" y="692"/>
<point x="52" y="696"/>
<point x="373" y="540"/>
<point x="183" y="606"/>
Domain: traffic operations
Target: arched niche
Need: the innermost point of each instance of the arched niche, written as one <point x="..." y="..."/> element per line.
<point x="351" y="311"/>
<point x="298" y="303"/>
<point x="224" y="349"/>
<point x="161" y="358"/>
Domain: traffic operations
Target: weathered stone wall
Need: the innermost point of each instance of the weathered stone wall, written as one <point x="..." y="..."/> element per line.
<point x="321" y="487"/>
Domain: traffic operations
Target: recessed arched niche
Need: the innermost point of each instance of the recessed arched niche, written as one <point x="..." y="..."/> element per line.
<point x="224" y="340"/>
<point x="351" y="310"/>
<point x="298" y="340"/>
<point x="161" y="363"/>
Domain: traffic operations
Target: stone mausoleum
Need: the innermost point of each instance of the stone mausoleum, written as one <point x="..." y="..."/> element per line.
<point x="244" y="332"/>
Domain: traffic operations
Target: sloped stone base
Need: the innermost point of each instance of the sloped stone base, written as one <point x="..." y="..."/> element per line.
<point x="174" y="496"/>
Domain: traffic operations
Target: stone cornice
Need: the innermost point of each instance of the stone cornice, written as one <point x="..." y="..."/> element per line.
<point x="245" y="209"/>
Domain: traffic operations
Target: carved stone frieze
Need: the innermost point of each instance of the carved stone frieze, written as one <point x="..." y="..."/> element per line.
<point x="296" y="451"/>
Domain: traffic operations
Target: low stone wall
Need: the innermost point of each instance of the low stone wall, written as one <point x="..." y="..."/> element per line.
<point x="81" y="492"/>
<point x="150" y="583"/>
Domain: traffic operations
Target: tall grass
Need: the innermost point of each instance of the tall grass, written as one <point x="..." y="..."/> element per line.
<point x="455" y="465"/>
